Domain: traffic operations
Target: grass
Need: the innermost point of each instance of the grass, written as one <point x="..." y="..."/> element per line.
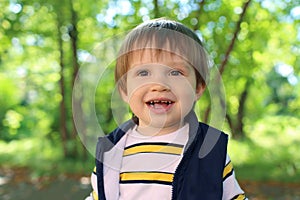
<point x="42" y="158"/>
<point x="271" y="151"/>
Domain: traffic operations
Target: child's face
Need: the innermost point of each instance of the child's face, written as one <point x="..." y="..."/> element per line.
<point x="161" y="91"/>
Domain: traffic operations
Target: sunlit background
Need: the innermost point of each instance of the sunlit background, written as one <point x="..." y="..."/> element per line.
<point x="43" y="44"/>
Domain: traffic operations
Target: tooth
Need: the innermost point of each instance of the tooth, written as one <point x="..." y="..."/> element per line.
<point x="152" y="102"/>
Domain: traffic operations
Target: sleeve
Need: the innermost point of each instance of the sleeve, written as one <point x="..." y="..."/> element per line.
<point x="94" y="193"/>
<point x="231" y="188"/>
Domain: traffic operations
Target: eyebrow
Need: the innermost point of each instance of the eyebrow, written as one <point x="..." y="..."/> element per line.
<point x="172" y="64"/>
<point x="182" y="62"/>
<point x="186" y="65"/>
<point x="169" y="64"/>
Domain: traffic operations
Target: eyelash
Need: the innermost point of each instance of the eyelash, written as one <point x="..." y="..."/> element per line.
<point x="171" y="73"/>
<point x="178" y="73"/>
<point x="142" y="73"/>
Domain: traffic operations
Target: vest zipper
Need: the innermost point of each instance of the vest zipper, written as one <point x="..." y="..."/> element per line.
<point x="186" y="156"/>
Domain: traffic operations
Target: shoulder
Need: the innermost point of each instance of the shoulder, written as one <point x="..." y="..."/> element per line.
<point x="201" y="129"/>
<point x="212" y="139"/>
<point x="105" y="143"/>
<point x="117" y="133"/>
<point x="207" y="130"/>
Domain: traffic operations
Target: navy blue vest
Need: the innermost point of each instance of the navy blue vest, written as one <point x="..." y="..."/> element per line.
<point x="199" y="176"/>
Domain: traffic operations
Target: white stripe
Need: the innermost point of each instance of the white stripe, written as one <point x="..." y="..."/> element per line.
<point x="230" y="186"/>
<point x="151" y="162"/>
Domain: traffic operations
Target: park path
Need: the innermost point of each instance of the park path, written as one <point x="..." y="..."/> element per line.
<point x="271" y="190"/>
<point x="17" y="185"/>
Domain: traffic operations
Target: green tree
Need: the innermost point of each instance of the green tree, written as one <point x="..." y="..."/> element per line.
<point x="45" y="43"/>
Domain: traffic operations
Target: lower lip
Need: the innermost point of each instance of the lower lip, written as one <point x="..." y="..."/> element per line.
<point x="160" y="109"/>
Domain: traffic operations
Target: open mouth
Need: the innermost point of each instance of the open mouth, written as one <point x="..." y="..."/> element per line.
<point x="158" y="102"/>
<point x="160" y="106"/>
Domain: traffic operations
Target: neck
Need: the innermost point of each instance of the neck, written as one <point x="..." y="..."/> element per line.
<point x="156" y="131"/>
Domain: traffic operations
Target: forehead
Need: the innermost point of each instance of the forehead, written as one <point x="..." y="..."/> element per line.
<point x="147" y="56"/>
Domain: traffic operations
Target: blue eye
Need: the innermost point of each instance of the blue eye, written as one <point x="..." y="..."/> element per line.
<point x="143" y="73"/>
<point x="176" y="73"/>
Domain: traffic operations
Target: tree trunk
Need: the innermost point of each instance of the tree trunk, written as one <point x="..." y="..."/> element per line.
<point x="237" y="129"/>
<point x="230" y="124"/>
<point x="73" y="32"/>
<point x="234" y="38"/>
<point x="63" y="115"/>
<point x="198" y="14"/>
<point x="241" y="111"/>
<point x="223" y="66"/>
<point x="156" y="9"/>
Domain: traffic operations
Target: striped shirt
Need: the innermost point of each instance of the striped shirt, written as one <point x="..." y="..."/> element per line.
<point x="149" y="164"/>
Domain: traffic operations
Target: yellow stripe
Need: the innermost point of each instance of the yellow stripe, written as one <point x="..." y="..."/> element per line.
<point x="153" y="149"/>
<point x="94" y="169"/>
<point x="157" y="176"/>
<point x="95" y="196"/>
<point x="240" y="197"/>
<point x="227" y="169"/>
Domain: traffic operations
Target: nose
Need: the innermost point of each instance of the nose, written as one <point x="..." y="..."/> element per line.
<point x="159" y="81"/>
<point x="159" y="87"/>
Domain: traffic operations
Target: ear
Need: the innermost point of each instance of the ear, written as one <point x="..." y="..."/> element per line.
<point x="123" y="94"/>
<point x="200" y="88"/>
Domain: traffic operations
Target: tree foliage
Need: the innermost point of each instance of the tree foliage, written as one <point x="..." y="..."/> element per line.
<point x="255" y="45"/>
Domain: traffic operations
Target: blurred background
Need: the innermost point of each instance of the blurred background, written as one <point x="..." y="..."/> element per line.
<point x="255" y="45"/>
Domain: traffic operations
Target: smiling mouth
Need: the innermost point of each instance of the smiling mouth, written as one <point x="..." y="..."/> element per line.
<point x="160" y="106"/>
<point x="159" y="102"/>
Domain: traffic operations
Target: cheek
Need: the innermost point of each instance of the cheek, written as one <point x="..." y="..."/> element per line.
<point x="135" y="93"/>
<point x="131" y="94"/>
<point x="184" y="88"/>
<point x="132" y="87"/>
<point x="134" y="83"/>
<point x="188" y="99"/>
